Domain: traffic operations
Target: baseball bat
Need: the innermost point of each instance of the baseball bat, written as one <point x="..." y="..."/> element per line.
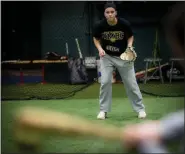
<point x="141" y="73"/>
<point x="31" y="121"/>
<point x="78" y="47"/>
<point x="67" y="49"/>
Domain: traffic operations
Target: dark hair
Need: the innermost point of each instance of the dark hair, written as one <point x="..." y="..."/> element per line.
<point x="110" y="5"/>
<point x="174" y="24"/>
<point x="179" y="29"/>
<point x="174" y="30"/>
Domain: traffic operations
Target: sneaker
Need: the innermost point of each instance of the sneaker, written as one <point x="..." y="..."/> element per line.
<point x="102" y="115"/>
<point x="142" y="115"/>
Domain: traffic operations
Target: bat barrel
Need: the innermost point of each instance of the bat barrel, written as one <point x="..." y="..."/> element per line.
<point x="46" y="121"/>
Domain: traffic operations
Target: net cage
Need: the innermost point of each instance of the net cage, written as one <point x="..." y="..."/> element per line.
<point x="60" y="79"/>
<point x="40" y="79"/>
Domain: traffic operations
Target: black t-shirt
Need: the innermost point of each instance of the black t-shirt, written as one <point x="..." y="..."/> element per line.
<point x="113" y="39"/>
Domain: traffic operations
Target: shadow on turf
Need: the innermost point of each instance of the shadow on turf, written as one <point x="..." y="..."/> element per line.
<point x="132" y="117"/>
<point x="121" y="117"/>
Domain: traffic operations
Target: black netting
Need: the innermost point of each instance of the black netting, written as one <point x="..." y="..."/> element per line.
<point x="163" y="90"/>
<point x="63" y="80"/>
<point x="40" y="91"/>
<point x="44" y="81"/>
<point x="59" y="29"/>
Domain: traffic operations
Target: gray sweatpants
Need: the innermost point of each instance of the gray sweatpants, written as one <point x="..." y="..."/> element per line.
<point x="127" y="73"/>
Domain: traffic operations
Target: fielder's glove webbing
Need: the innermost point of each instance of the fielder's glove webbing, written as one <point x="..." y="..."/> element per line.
<point x="129" y="54"/>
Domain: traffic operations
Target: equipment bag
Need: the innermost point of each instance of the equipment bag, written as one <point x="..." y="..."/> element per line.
<point x="78" y="72"/>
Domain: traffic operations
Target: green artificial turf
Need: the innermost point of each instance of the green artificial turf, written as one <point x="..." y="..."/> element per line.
<point x="121" y="115"/>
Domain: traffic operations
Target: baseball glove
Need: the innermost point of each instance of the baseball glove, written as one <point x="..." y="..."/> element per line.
<point x="129" y="54"/>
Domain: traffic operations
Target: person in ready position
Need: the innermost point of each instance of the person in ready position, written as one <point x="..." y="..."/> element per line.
<point x="112" y="36"/>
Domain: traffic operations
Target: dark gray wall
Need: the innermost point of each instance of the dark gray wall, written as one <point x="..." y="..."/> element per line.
<point x="62" y="22"/>
<point x="144" y="44"/>
<point x="20" y="30"/>
<point x="45" y="26"/>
